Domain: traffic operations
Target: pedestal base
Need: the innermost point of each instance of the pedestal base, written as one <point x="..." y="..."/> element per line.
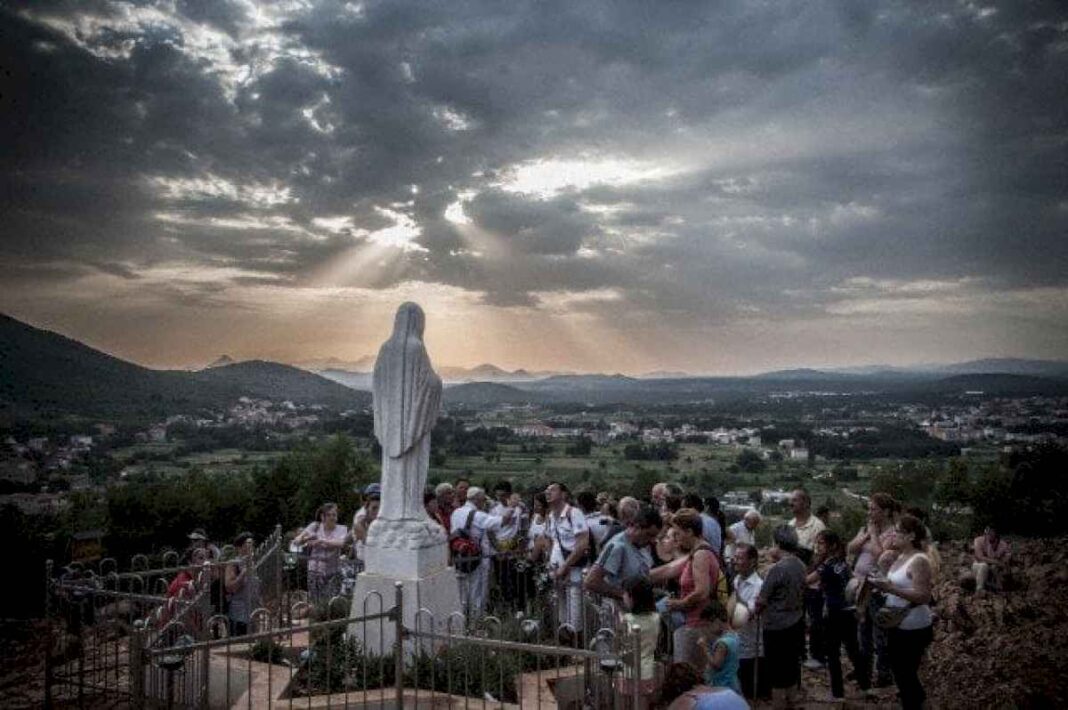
<point x="428" y="603"/>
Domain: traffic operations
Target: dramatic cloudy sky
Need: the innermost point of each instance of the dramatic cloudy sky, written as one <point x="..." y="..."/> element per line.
<point x="606" y="185"/>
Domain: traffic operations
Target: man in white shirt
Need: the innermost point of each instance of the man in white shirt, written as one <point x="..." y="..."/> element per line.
<point x="506" y="541"/>
<point x="506" y="507"/>
<point x="747" y="584"/>
<point x="743" y="531"/>
<point x="808" y="526"/>
<point x="570" y="536"/>
<point x="474" y="585"/>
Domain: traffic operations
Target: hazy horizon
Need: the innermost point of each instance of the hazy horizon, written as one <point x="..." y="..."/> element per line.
<point x="365" y="364"/>
<point x="726" y="188"/>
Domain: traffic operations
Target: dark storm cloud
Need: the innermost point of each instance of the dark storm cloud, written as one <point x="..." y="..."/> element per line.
<point x="554" y="226"/>
<point x="802" y="144"/>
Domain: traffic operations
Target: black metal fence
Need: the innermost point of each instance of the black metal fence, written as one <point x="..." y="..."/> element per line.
<point x="119" y="640"/>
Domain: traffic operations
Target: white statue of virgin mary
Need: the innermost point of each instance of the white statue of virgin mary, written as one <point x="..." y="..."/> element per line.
<point x="407" y="399"/>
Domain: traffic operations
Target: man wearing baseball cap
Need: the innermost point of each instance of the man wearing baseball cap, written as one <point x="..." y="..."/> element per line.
<point x="199" y="539"/>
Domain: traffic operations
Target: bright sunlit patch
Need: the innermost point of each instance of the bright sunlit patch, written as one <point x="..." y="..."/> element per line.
<point x="452" y="119"/>
<point x="455" y="211"/>
<point x="547" y="177"/>
<point x="112" y="33"/>
<point x="866" y="284"/>
<point x="335" y="225"/>
<point x="213" y="187"/>
<point x="315" y="115"/>
<point x="401" y="235"/>
<point x="605" y="209"/>
<point x="567" y="300"/>
<point x="852" y="213"/>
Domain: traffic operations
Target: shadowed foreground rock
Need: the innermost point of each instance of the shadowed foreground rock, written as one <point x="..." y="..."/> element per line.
<point x="1006" y="648"/>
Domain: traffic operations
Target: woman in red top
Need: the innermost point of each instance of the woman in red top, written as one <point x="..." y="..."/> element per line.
<point x="181" y="587"/>
<point x="195" y="558"/>
<point x="697" y="572"/>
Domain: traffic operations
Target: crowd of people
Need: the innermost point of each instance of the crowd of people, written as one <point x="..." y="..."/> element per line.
<point x="703" y="595"/>
<point x="721" y="621"/>
<point x="230" y="576"/>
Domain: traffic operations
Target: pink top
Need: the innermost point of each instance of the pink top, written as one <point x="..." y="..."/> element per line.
<point x="687" y="584"/>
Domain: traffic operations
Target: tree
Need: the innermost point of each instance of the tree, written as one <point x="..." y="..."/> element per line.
<point x="955" y="486"/>
<point x="644" y="480"/>
<point x="581" y="447"/>
<point x="332" y="473"/>
<point x="750" y="461"/>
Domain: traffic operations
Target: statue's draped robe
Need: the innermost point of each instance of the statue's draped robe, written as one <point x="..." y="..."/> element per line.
<point x="407" y="399"/>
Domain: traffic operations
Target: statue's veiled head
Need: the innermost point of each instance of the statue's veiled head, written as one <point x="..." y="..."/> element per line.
<point x="410" y="320"/>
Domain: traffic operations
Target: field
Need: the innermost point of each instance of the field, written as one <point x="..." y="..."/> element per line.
<point x="163" y="458"/>
<point x="705" y="468"/>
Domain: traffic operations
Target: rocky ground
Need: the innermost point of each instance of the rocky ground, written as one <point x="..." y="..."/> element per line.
<point x="22" y="647"/>
<point x="1004" y="649"/>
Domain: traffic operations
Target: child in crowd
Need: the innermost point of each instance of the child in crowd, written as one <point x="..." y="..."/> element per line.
<point x="721" y="649"/>
<point x="640" y="604"/>
<point x="840" y="623"/>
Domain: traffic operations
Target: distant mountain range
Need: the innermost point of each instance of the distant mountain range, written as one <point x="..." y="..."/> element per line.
<point x="356" y="376"/>
<point x="44" y="374"/>
<point x="363" y="364"/>
<point x="492" y="393"/>
<point x="361" y="378"/>
<point x="222" y="361"/>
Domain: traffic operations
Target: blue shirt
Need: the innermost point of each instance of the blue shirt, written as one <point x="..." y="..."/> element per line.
<point x="712" y="533"/>
<point x="723" y="699"/>
<point x="727" y="674"/>
<point x="622" y="561"/>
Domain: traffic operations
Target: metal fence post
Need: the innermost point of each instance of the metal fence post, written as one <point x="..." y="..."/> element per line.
<point x="205" y="677"/>
<point x="137" y="667"/>
<point x="398" y="643"/>
<point x="50" y="635"/>
<point x="636" y="659"/>
<point x="279" y="559"/>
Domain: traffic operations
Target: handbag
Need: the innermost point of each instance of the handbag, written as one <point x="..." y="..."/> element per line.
<point x="890" y="617"/>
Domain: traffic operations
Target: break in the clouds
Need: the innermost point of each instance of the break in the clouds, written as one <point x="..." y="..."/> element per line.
<point x="714" y="186"/>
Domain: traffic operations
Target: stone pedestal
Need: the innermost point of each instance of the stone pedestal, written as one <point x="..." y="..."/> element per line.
<point x="414" y="553"/>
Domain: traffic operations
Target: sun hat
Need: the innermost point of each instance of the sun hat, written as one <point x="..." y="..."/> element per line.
<point x="737" y="614"/>
<point x="198" y="534"/>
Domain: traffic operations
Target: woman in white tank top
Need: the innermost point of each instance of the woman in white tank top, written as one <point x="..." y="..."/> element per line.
<point x="909" y="584"/>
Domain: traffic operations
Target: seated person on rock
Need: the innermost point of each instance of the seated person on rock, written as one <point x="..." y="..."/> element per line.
<point x="992" y="557"/>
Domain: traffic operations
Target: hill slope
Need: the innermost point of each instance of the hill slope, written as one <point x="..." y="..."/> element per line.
<point x="490" y="393"/>
<point x="272" y="380"/>
<point x="44" y="374"/>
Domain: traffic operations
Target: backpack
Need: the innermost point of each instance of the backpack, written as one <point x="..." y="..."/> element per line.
<point x="614" y="528"/>
<point x="465" y="550"/>
<point x="720" y="585"/>
<point x="591" y="545"/>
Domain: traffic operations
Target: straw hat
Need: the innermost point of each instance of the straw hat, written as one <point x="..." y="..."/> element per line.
<point x="737" y="613"/>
